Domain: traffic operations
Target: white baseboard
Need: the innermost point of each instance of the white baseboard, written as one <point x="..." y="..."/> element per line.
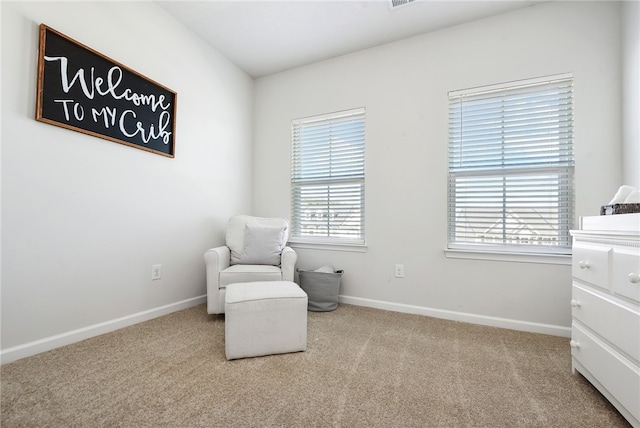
<point x="49" y="343"/>
<point x="531" y="327"/>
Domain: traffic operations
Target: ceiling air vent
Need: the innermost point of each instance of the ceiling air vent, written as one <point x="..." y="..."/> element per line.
<point x="394" y="4"/>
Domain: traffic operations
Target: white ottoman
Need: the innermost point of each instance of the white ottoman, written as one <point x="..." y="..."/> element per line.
<point x="263" y="318"/>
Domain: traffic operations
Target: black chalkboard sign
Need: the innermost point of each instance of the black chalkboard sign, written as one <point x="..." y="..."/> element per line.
<point x="83" y="90"/>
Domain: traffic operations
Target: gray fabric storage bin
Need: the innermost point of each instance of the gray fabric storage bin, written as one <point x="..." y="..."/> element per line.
<point x="322" y="289"/>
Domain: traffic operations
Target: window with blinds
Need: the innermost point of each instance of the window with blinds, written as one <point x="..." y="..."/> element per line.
<point x="327" y="178"/>
<point x="511" y="167"/>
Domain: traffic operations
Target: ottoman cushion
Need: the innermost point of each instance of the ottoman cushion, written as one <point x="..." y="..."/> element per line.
<point x="263" y="318"/>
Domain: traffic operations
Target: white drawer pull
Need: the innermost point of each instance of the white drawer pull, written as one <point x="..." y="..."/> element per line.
<point x="634" y="278"/>
<point x="574" y="344"/>
<point x="575" y="303"/>
<point x="584" y="265"/>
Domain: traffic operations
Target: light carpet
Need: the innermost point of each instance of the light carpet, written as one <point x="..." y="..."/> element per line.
<point x="363" y="368"/>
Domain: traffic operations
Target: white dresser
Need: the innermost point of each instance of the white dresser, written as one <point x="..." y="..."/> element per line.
<point x="605" y="306"/>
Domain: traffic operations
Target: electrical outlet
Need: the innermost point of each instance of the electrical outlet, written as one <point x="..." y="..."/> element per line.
<point x="156" y="272"/>
<point x="399" y="271"/>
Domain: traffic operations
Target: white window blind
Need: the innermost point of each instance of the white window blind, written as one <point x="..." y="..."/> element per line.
<point x="327" y="178"/>
<point x="511" y="167"/>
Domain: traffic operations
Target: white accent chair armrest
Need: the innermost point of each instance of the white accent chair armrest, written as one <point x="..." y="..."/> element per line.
<point x="288" y="263"/>
<point x="216" y="260"/>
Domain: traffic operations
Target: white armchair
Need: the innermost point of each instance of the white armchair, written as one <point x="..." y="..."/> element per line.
<point x="255" y="250"/>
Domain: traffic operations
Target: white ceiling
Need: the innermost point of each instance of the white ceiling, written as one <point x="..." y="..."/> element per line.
<point x="268" y="36"/>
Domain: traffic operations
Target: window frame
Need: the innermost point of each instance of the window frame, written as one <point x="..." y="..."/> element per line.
<point x="565" y="170"/>
<point x="350" y="180"/>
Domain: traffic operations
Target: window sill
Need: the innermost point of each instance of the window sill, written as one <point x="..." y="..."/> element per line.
<point x="329" y="246"/>
<point x="551" y="259"/>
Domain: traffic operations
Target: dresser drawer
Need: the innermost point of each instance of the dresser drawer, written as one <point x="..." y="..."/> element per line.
<point x="616" y="374"/>
<point x="619" y="324"/>
<point x="591" y="264"/>
<point x="626" y="273"/>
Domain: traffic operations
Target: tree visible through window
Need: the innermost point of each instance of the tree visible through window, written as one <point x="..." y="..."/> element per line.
<point x="511" y="167"/>
<point x="327" y="178"/>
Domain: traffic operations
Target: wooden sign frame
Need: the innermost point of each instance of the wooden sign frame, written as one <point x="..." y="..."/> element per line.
<point x="85" y="91"/>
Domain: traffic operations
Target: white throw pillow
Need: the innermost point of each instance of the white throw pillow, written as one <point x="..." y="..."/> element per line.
<point x="263" y="245"/>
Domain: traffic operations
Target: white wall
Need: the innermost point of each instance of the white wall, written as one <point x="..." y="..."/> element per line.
<point x="404" y="88"/>
<point x="84" y="219"/>
<point x="631" y="93"/>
